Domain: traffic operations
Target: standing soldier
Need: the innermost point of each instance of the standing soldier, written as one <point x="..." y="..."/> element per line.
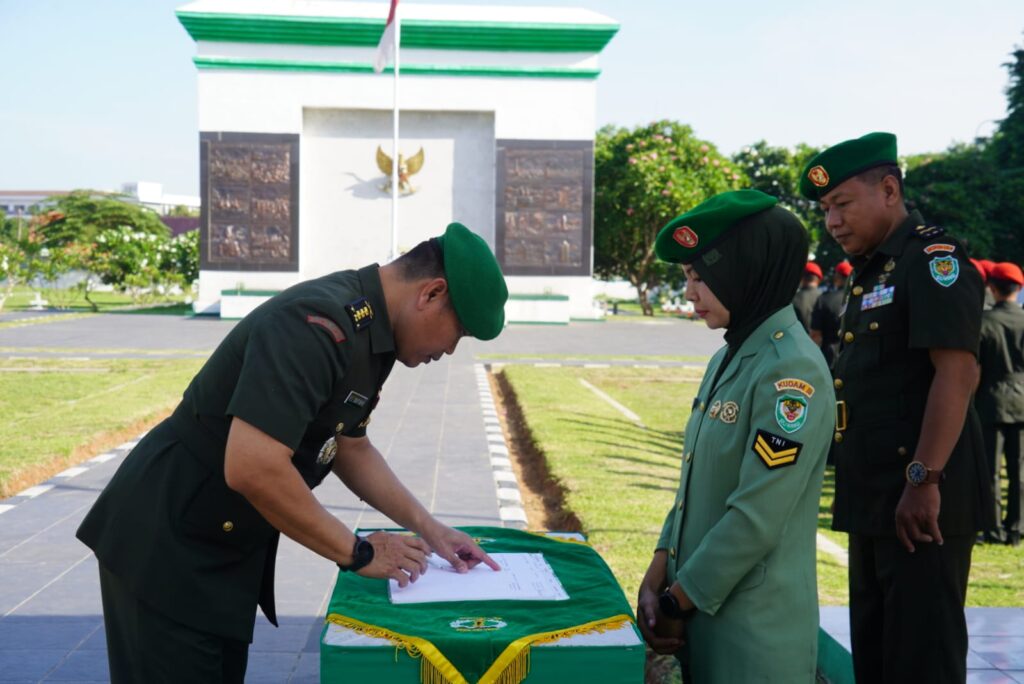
<point x="808" y="294"/>
<point x="1000" y="397"/>
<point x="828" y="312"/>
<point x="908" y="449"/>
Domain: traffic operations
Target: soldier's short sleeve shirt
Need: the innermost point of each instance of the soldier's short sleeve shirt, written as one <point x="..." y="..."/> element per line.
<point x="944" y="294"/>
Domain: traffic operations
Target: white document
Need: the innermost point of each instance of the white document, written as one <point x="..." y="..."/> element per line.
<point x="523" y="577"/>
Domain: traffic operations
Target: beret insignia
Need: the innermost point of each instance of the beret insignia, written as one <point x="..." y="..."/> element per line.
<point x="686" y="237"/>
<point x="775" y="451"/>
<point x="327" y="324"/>
<point x="361" y="313"/>
<point x="819" y="176"/>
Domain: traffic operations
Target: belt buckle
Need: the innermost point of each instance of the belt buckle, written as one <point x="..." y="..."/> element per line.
<point x="840" y="415"/>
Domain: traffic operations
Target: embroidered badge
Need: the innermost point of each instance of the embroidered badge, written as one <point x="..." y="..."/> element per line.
<point x="477" y="624"/>
<point x="790" y="412"/>
<point x="361" y="313"/>
<point x="327" y="324"/>
<point x="356" y="399"/>
<point x="819" y="176"/>
<point x="939" y="247"/>
<point x="945" y="270"/>
<point x="714" y="410"/>
<point x="797" y="384"/>
<point x="686" y="237"/>
<point x="880" y="296"/>
<point x="730" y="412"/>
<point x="327" y="452"/>
<point x="775" y="451"/>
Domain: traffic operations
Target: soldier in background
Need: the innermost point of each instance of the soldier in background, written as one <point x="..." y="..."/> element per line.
<point x="808" y="294"/>
<point x="1000" y="396"/>
<point x="828" y="312"/>
<point x="983" y="266"/>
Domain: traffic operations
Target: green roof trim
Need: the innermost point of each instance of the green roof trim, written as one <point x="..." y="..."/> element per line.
<point x="407" y="69"/>
<point x="416" y="33"/>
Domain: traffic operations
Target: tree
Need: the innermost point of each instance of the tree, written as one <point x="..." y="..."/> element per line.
<point x="644" y="177"/>
<point x="132" y="262"/>
<point x="81" y="215"/>
<point x="1008" y="141"/>
<point x="182" y="257"/>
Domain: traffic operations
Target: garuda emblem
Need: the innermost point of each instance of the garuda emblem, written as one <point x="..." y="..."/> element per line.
<point x="406" y="168"/>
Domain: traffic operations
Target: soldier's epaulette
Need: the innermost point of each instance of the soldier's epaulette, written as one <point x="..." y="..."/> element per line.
<point x="361" y="313"/>
<point x="928" y="232"/>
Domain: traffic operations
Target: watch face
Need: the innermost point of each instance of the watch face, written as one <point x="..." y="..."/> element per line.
<point x="917" y="472"/>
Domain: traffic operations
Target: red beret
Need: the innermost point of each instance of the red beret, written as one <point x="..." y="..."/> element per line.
<point x="812" y="269"/>
<point x="978" y="264"/>
<point x="844" y="269"/>
<point x="1007" y="271"/>
<point x="986" y="264"/>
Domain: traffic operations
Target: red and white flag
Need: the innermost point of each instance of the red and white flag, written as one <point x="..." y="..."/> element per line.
<point x="386" y="48"/>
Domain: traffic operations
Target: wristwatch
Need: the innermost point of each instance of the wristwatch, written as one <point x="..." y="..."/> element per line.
<point x="668" y="604"/>
<point x="362" y="555"/>
<point x="918" y="474"/>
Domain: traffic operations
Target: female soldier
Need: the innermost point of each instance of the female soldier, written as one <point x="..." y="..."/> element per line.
<point x="732" y="589"/>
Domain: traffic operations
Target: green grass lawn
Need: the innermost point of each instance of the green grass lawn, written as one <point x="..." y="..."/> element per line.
<point x="620" y="479"/>
<point x="73" y="300"/>
<point x="60" y="411"/>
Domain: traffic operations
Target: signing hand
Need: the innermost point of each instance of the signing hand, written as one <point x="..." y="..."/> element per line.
<point x="917" y="516"/>
<point x="402" y="558"/>
<point x="458" y="548"/>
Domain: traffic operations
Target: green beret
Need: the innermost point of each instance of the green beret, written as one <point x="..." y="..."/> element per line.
<point x="689" y="235"/>
<point x="475" y="282"/>
<point x="831" y="167"/>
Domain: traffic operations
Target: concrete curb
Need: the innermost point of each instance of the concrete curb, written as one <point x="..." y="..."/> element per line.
<point x="510" y="501"/>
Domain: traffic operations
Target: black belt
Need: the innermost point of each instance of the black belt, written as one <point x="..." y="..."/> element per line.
<point x="876" y="410"/>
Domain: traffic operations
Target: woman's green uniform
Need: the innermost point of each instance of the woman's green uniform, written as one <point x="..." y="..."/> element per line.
<point x="741" y="535"/>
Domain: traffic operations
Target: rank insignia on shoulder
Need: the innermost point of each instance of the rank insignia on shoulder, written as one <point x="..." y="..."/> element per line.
<point x="775" y="451"/>
<point x="797" y="384"/>
<point x="939" y="247"/>
<point x="929" y="232"/>
<point x="361" y="313"/>
<point x="327" y="324"/>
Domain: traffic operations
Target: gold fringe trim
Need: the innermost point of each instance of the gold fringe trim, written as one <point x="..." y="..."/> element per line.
<point x="513" y="665"/>
<point x="434" y="667"/>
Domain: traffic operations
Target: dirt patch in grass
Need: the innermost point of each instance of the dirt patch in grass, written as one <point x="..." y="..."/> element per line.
<point x="543" y="496"/>
<point x="104" y="441"/>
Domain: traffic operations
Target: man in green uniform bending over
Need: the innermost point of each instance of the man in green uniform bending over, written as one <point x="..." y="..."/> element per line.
<point x="186" y="532"/>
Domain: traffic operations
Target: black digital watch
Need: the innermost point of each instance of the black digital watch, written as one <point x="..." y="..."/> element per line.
<point x="362" y="555"/>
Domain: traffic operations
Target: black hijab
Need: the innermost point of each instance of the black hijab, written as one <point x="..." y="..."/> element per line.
<point x="754" y="271"/>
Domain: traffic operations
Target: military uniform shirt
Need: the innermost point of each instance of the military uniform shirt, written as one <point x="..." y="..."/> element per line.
<point x="803" y="303"/>
<point x="825" y="318"/>
<point x="1000" y="396"/>
<point x="305" y="366"/>
<point x="916" y="292"/>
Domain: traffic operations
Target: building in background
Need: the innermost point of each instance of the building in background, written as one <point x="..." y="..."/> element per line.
<point x="497" y="132"/>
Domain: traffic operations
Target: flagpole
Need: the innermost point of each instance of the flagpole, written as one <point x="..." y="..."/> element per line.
<point x="394" y="143"/>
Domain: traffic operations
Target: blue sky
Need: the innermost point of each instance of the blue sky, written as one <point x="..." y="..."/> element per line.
<point x="97" y="93"/>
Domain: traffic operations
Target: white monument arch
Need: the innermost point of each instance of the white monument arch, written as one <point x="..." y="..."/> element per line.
<point x="501" y="100"/>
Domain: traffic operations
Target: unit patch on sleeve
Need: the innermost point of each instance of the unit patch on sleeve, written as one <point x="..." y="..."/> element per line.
<point x="361" y="313"/>
<point x="327" y="324"/>
<point x="939" y="247"/>
<point x="797" y="384"/>
<point x="791" y="412"/>
<point x="775" y="451"/>
<point x="945" y="270"/>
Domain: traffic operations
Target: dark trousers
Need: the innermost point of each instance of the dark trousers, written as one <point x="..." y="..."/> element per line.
<point x="1005" y="438"/>
<point x="146" y="646"/>
<point x="907" y="619"/>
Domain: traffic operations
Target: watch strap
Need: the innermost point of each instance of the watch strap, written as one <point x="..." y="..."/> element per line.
<point x="362" y="555"/>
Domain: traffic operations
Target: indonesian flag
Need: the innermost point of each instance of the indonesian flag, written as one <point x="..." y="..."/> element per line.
<point x="386" y="48"/>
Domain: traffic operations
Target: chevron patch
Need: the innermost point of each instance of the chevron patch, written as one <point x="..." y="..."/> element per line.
<point x="775" y="451"/>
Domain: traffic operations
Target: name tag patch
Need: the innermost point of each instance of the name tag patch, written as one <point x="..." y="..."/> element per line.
<point x="880" y="296"/>
<point x="356" y="399"/>
<point x="775" y="451"/>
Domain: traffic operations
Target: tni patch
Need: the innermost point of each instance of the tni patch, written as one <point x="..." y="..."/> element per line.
<point x="775" y="451"/>
<point x="361" y="313"/>
<point x="945" y="270"/>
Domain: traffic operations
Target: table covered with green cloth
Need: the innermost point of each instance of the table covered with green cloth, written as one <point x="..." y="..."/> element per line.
<point x="464" y="642"/>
